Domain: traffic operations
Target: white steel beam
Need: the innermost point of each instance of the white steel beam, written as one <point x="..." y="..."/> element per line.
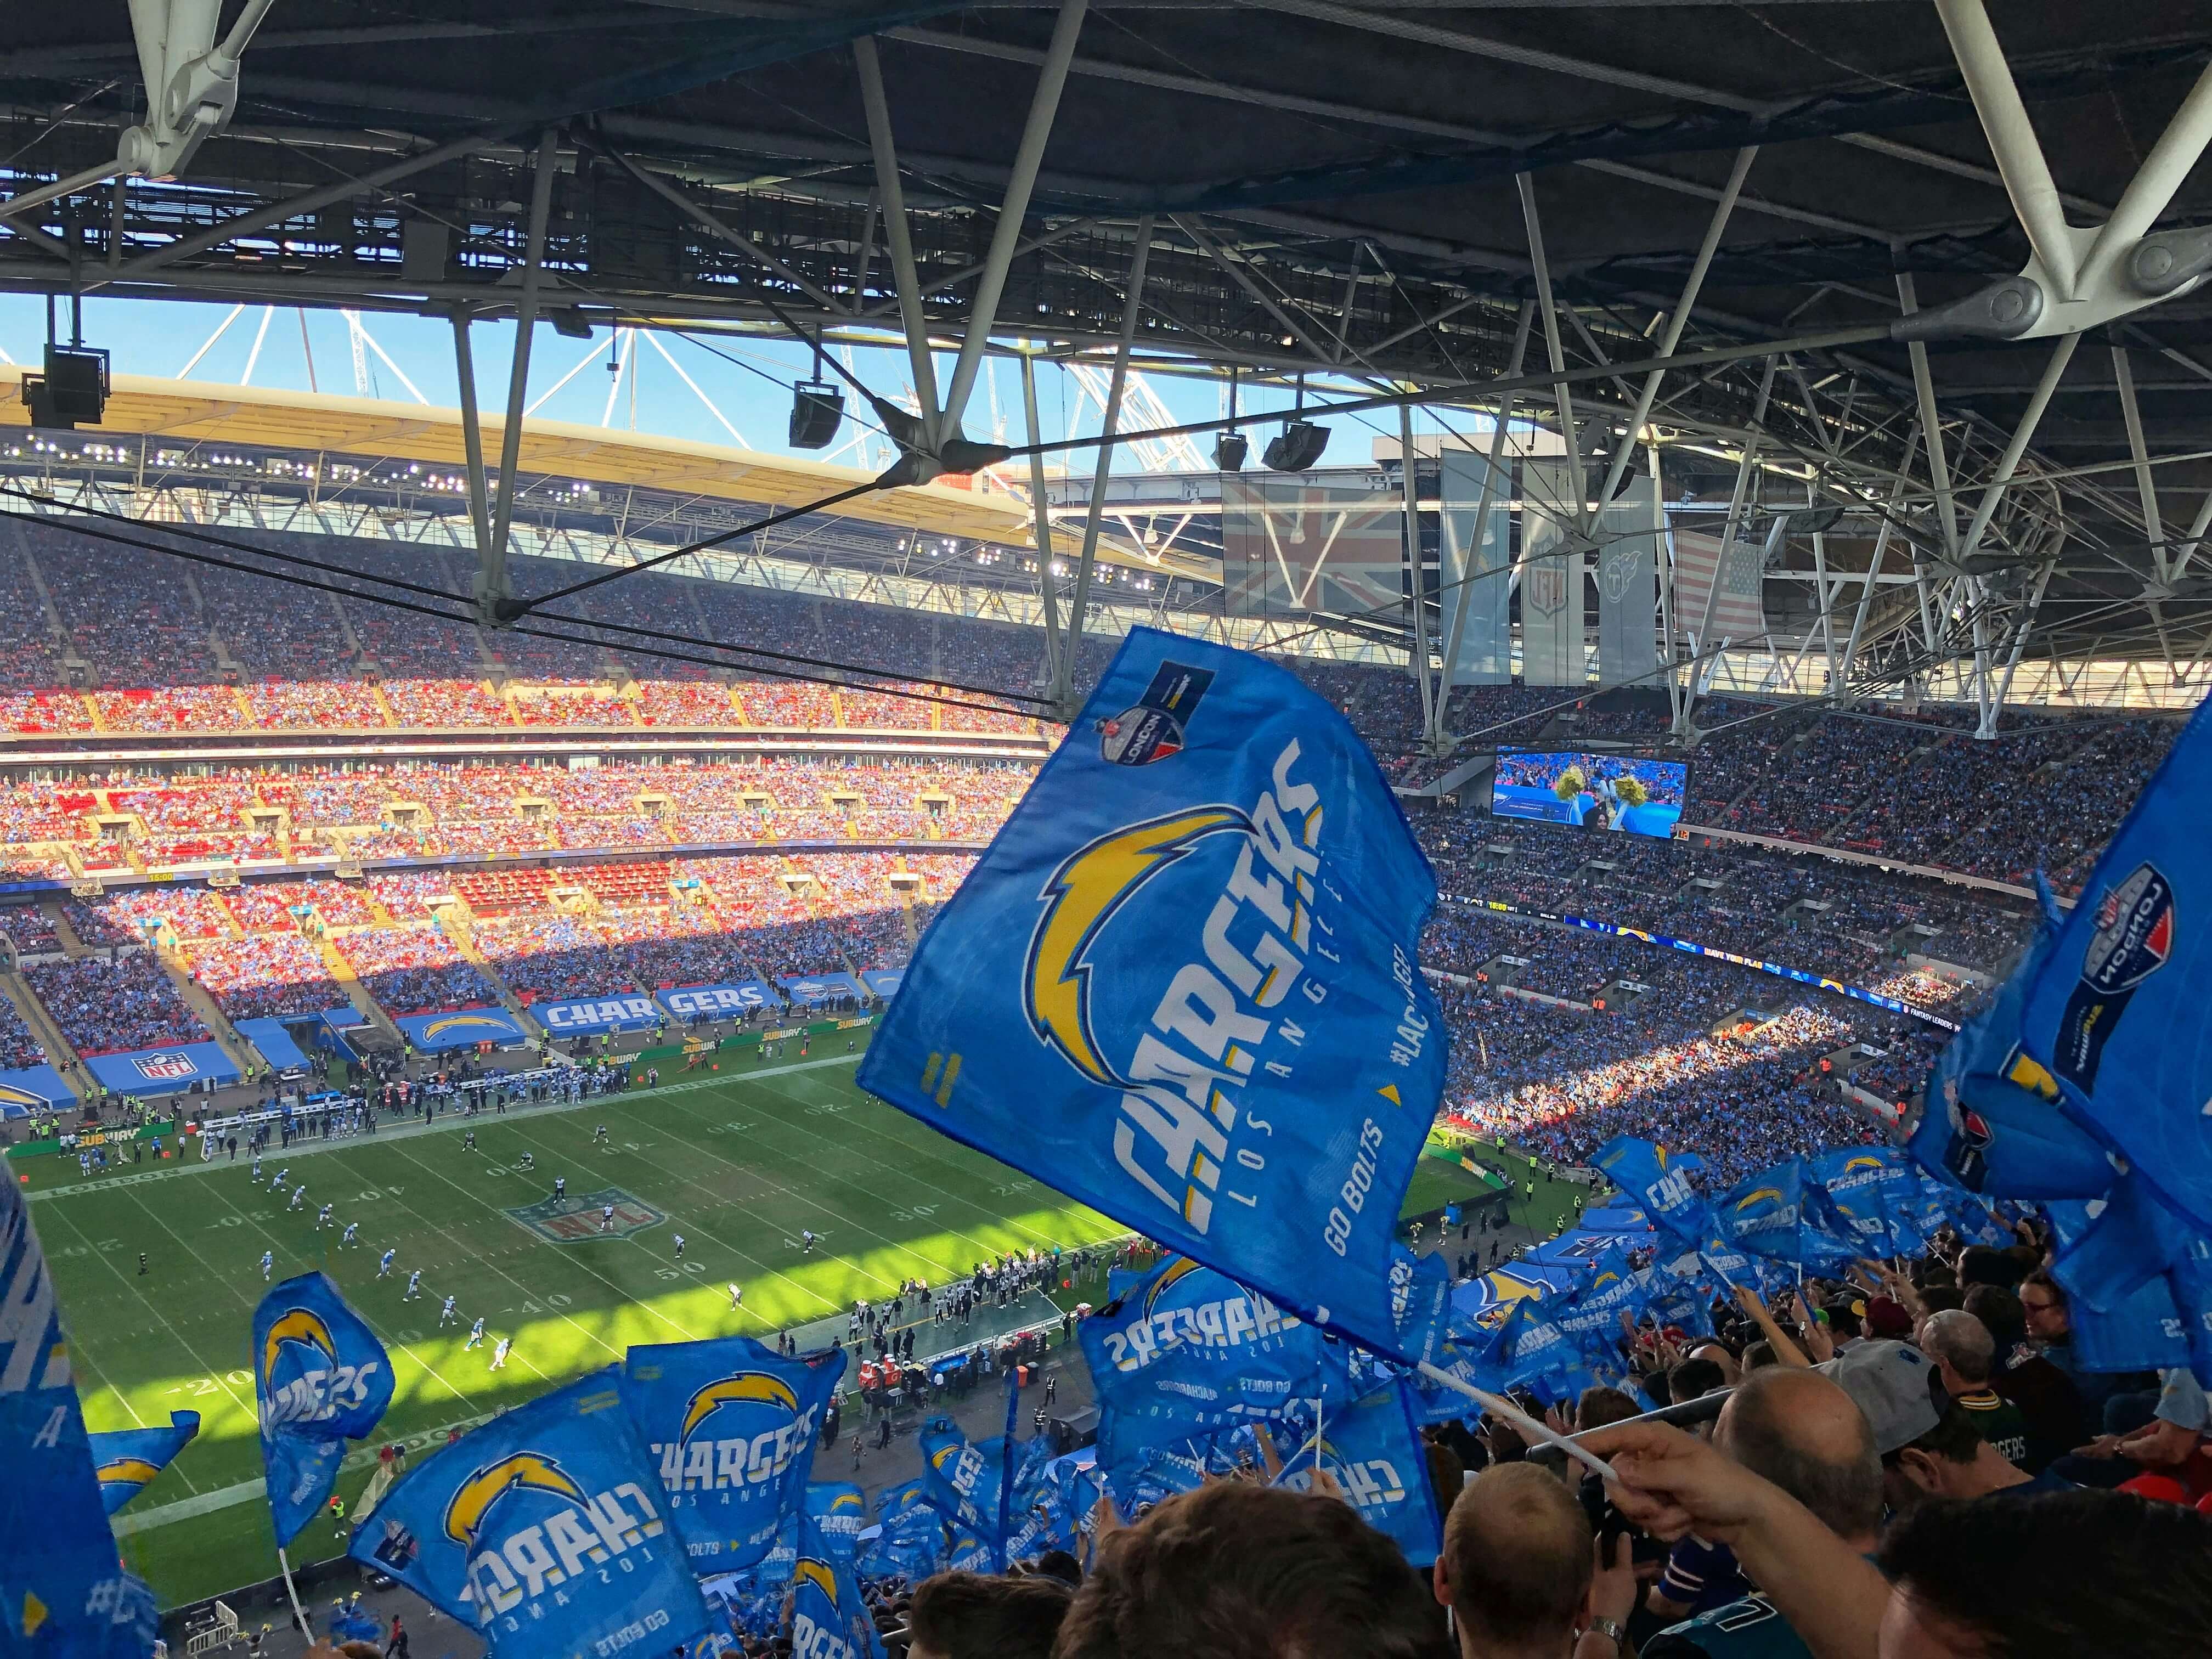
<point x="2012" y="139"/>
<point x="898" y="235"/>
<point x="492" y="584"/>
<point x="1041" y="515"/>
<point x="1554" y="352"/>
<point x="1489" y="487"/>
<point x="1029" y="157"/>
<point x="1063" y="683"/>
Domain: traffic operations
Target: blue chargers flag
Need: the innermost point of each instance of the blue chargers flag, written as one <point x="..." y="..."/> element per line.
<point x="2136" y="1242"/>
<point x="127" y="1460"/>
<point x="2138" y="1330"/>
<point x="836" y="1514"/>
<point x="1989" y="1120"/>
<point x="1373" y="1448"/>
<point x="1188" y="1348"/>
<point x="1679" y="1293"/>
<point x="830" y="1617"/>
<point x="1531" y="1342"/>
<point x="961" y="1480"/>
<point x="63" y="1594"/>
<point x="1776" y="1214"/>
<point x="1660" y="1180"/>
<point x="2116" y="1012"/>
<point x="1868" y="1192"/>
<point x="1475" y="1356"/>
<point x="1591" y="1318"/>
<point x="1180" y="986"/>
<point x="731" y="1424"/>
<point x="320" y="1378"/>
<point x="544" y="1531"/>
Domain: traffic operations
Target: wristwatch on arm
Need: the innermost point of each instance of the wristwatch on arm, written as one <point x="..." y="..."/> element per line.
<point x="1612" y="1629"/>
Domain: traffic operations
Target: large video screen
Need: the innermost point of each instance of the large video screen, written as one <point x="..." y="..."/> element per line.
<point x="1626" y="792"/>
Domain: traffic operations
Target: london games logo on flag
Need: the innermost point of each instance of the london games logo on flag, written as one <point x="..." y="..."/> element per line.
<point x="732" y="1425"/>
<point x="2133" y="940"/>
<point x="1211" y="956"/>
<point x="544" y="1530"/>
<point x="320" y="1378"/>
<point x="582" y="1216"/>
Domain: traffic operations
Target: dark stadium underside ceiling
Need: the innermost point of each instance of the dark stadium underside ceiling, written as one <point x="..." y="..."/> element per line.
<point x="1388" y="197"/>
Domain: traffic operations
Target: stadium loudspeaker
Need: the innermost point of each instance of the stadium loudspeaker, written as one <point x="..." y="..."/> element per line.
<point x="817" y="409"/>
<point x="1297" y="448"/>
<point x="74" y="388"/>
<point x="1229" y="450"/>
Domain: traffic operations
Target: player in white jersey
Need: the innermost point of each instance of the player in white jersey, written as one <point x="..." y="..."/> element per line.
<point x="607" y="1219"/>
<point x="256" y="1168"/>
<point x="737" y="1298"/>
<point x="679" y="1247"/>
<point x="476" y="1335"/>
<point x="268" y="1261"/>
<point x="352" y="1227"/>
<point x="414" y="1286"/>
<point x="299" y="1196"/>
<point x="499" y="1354"/>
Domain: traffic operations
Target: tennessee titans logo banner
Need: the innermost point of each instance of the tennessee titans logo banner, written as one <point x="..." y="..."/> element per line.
<point x="1659" y="1180"/>
<point x="63" y="1594"/>
<point x="1181" y="987"/>
<point x="1187" y="1348"/>
<point x="2114" y="1012"/>
<point x="545" y="1531"/>
<point x="732" y="1426"/>
<point x="1989" y="1119"/>
<point x="320" y="1378"/>
<point x="1373" y="1448"/>
<point x="127" y="1460"/>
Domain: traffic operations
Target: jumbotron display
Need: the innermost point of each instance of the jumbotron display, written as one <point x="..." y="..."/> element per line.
<point x="1591" y="792"/>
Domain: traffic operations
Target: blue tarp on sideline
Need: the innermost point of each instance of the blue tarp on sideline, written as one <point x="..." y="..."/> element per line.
<point x="273" y="1043"/>
<point x="811" y="990"/>
<point x="34" y="1086"/>
<point x="162" y="1071"/>
<point x="732" y="1000"/>
<point x="627" y="1011"/>
<point x="462" y="1028"/>
<point x="884" y="981"/>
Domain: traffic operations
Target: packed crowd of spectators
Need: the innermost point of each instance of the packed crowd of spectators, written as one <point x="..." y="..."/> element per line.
<point x="18" y="1048"/>
<point x="102" y="1004"/>
<point x="409" y="970"/>
<point x="264" y="976"/>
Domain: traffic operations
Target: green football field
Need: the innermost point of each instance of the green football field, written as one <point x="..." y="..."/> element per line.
<point x="738" y="1163"/>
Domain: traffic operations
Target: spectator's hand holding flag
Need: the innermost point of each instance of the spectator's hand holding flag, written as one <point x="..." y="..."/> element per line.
<point x="1180" y="986"/>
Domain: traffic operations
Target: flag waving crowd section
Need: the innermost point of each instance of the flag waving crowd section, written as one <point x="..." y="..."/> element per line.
<point x="1180" y="987"/>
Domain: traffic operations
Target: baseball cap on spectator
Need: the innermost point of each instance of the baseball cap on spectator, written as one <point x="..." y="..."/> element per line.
<point x="1889" y="1383"/>
<point x="1888" y="1319"/>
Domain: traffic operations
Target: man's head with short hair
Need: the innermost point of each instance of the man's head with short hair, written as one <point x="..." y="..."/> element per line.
<point x="1804" y="1433"/>
<point x="1950" y="1459"/>
<point x="2043" y="1304"/>
<point x="968" y="1615"/>
<point x="1602" y="1407"/>
<point x="1235" y="1570"/>
<point x="1962" y="1347"/>
<point x="1982" y="1264"/>
<point x="1517" y="1563"/>
<point x="2000" y="1309"/>
<point x="2090" y="1575"/>
<point x="1694" y="1378"/>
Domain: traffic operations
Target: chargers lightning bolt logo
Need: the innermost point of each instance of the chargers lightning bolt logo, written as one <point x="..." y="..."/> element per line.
<point x="517" y="1472"/>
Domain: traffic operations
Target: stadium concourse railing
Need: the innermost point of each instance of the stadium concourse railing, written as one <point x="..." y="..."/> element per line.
<point x="1714" y="953"/>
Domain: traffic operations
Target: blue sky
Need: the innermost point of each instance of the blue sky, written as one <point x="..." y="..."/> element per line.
<point x="749" y="384"/>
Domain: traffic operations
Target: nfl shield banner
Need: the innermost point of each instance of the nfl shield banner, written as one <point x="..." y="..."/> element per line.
<point x="1181" y="987"/>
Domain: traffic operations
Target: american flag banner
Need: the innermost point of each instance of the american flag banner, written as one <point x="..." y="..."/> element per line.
<point x="1736" y="611"/>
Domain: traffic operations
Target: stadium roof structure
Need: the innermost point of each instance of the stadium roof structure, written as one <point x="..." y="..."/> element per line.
<point x="298" y="422"/>
<point x="1823" y="254"/>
